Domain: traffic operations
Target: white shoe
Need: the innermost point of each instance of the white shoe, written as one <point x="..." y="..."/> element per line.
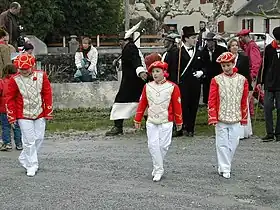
<point x="31" y="172"/>
<point x="153" y="172"/>
<point x="226" y="175"/>
<point x="157" y="177"/>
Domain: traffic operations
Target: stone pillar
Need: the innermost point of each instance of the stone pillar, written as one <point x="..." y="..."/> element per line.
<point x="73" y="44"/>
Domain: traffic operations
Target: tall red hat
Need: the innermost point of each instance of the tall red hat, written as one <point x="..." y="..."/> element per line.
<point x="149" y="59"/>
<point x="24" y="61"/>
<point x="244" y="32"/>
<point x="158" y="64"/>
<point x="226" y="57"/>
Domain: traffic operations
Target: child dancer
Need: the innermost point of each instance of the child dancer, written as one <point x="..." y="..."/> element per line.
<point x="8" y="71"/>
<point x="163" y="100"/>
<point x="227" y="110"/>
<point x="29" y="100"/>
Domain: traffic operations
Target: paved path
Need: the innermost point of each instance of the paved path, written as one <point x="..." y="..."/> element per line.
<point x="89" y="171"/>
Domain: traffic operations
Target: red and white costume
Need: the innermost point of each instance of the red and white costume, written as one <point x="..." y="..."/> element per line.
<point x="228" y="108"/>
<point x="29" y="100"/>
<point x="164" y="107"/>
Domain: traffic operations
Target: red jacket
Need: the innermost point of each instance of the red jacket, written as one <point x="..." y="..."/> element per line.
<point x="228" y="99"/>
<point x="163" y="102"/>
<point x="3" y="93"/>
<point x="253" y="52"/>
<point x="29" y="97"/>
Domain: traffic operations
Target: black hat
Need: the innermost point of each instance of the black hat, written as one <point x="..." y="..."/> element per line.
<point x="188" y="31"/>
<point x="276" y="33"/>
<point x="210" y="36"/>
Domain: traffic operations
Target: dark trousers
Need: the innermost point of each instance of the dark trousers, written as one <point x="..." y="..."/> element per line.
<point x="271" y="99"/>
<point x="6" y="131"/>
<point x="205" y="89"/>
<point x="190" y="90"/>
<point x="118" y="123"/>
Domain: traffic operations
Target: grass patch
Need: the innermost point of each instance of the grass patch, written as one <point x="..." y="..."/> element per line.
<point x="92" y="119"/>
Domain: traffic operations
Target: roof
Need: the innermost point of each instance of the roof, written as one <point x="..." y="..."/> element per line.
<point x="253" y="6"/>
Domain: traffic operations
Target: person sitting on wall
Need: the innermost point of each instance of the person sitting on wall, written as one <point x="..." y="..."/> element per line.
<point x="86" y="60"/>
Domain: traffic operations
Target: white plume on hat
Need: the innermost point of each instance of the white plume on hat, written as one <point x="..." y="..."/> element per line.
<point x="129" y="32"/>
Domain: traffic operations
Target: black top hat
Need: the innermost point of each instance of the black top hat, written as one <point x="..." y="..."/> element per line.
<point x="276" y="33"/>
<point x="188" y="31"/>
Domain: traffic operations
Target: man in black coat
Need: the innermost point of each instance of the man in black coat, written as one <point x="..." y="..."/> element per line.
<point x="134" y="75"/>
<point x="271" y="81"/>
<point x="185" y="69"/>
<point x="210" y="53"/>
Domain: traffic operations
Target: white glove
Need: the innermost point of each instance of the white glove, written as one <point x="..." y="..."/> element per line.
<point x="198" y="74"/>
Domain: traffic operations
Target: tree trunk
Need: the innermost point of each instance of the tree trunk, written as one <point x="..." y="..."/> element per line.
<point x="213" y="24"/>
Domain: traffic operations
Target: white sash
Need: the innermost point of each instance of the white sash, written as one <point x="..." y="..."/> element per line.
<point x="194" y="51"/>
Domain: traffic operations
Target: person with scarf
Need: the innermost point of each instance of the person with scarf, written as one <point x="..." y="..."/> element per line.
<point x="86" y="61"/>
<point x="5" y="56"/>
<point x="270" y="78"/>
<point x="252" y="50"/>
<point x="163" y="100"/>
<point x="227" y="109"/>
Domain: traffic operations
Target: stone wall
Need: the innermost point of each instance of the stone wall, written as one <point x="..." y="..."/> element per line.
<point x="84" y="95"/>
<point x="61" y="67"/>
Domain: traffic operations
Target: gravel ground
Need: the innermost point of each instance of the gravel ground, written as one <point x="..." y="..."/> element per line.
<point x="90" y="171"/>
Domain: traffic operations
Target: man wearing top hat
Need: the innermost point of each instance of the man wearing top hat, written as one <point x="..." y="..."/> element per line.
<point x="210" y="53"/>
<point x="190" y="72"/>
<point x="134" y="74"/>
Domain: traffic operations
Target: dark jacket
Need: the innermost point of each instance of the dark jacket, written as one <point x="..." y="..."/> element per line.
<point x="271" y="71"/>
<point x="172" y="58"/>
<point x="9" y="22"/>
<point x="243" y="67"/>
<point x="211" y="66"/>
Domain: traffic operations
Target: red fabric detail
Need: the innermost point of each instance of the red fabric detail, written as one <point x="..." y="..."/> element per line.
<point x="15" y="103"/>
<point x="24" y="61"/>
<point x="226" y="57"/>
<point x="213" y="103"/>
<point x="244" y="32"/>
<point x="244" y="104"/>
<point x="4" y="85"/>
<point x="254" y="54"/>
<point x="235" y="70"/>
<point x="275" y="45"/>
<point x="2" y="42"/>
<point x="143" y="103"/>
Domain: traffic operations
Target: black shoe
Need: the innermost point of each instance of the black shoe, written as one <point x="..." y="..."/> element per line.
<point x="268" y="138"/>
<point x="190" y="134"/>
<point x="177" y="133"/>
<point x="114" y="132"/>
<point x="19" y="147"/>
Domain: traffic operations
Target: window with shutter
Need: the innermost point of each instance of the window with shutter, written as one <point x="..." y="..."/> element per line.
<point x="203" y="1"/>
<point x="153" y="1"/>
<point x="221" y="26"/>
<point x="266" y="25"/>
<point x="243" y="24"/>
<point x="251" y="24"/>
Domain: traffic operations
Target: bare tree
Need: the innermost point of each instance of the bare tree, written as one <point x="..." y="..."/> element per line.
<point x="175" y="8"/>
<point x="169" y="8"/>
<point x="273" y="13"/>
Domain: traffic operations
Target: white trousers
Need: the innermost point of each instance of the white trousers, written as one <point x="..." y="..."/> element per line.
<point x="159" y="140"/>
<point x="247" y="130"/>
<point x="227" y="140"/>
<point x="33" y="132"/>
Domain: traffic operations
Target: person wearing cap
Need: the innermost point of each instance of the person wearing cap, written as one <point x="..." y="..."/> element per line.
<point x="171" y="56"/>
<point x="227" y="110"/>
<point x="191" y="71"/>
<point x="271" y="81"/>
<point x="203" y="31"/>
<point x="163" y="100"/>
<point x="28" y="48"/>
<point x="29" y="101"/>
<point x="252" y="50"/>
<point x="210" y="53"/>
<point x="134" y="76"/>
<point x="5" y="56"/>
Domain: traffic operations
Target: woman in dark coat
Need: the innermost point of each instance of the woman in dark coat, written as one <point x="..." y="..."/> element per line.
<point x="243" y="66"/>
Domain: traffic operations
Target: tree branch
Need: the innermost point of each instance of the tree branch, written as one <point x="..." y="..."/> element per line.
<point x="264" y="13"/>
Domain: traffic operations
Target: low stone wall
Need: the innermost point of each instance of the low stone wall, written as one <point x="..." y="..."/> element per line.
<point x="84" y="95"/>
